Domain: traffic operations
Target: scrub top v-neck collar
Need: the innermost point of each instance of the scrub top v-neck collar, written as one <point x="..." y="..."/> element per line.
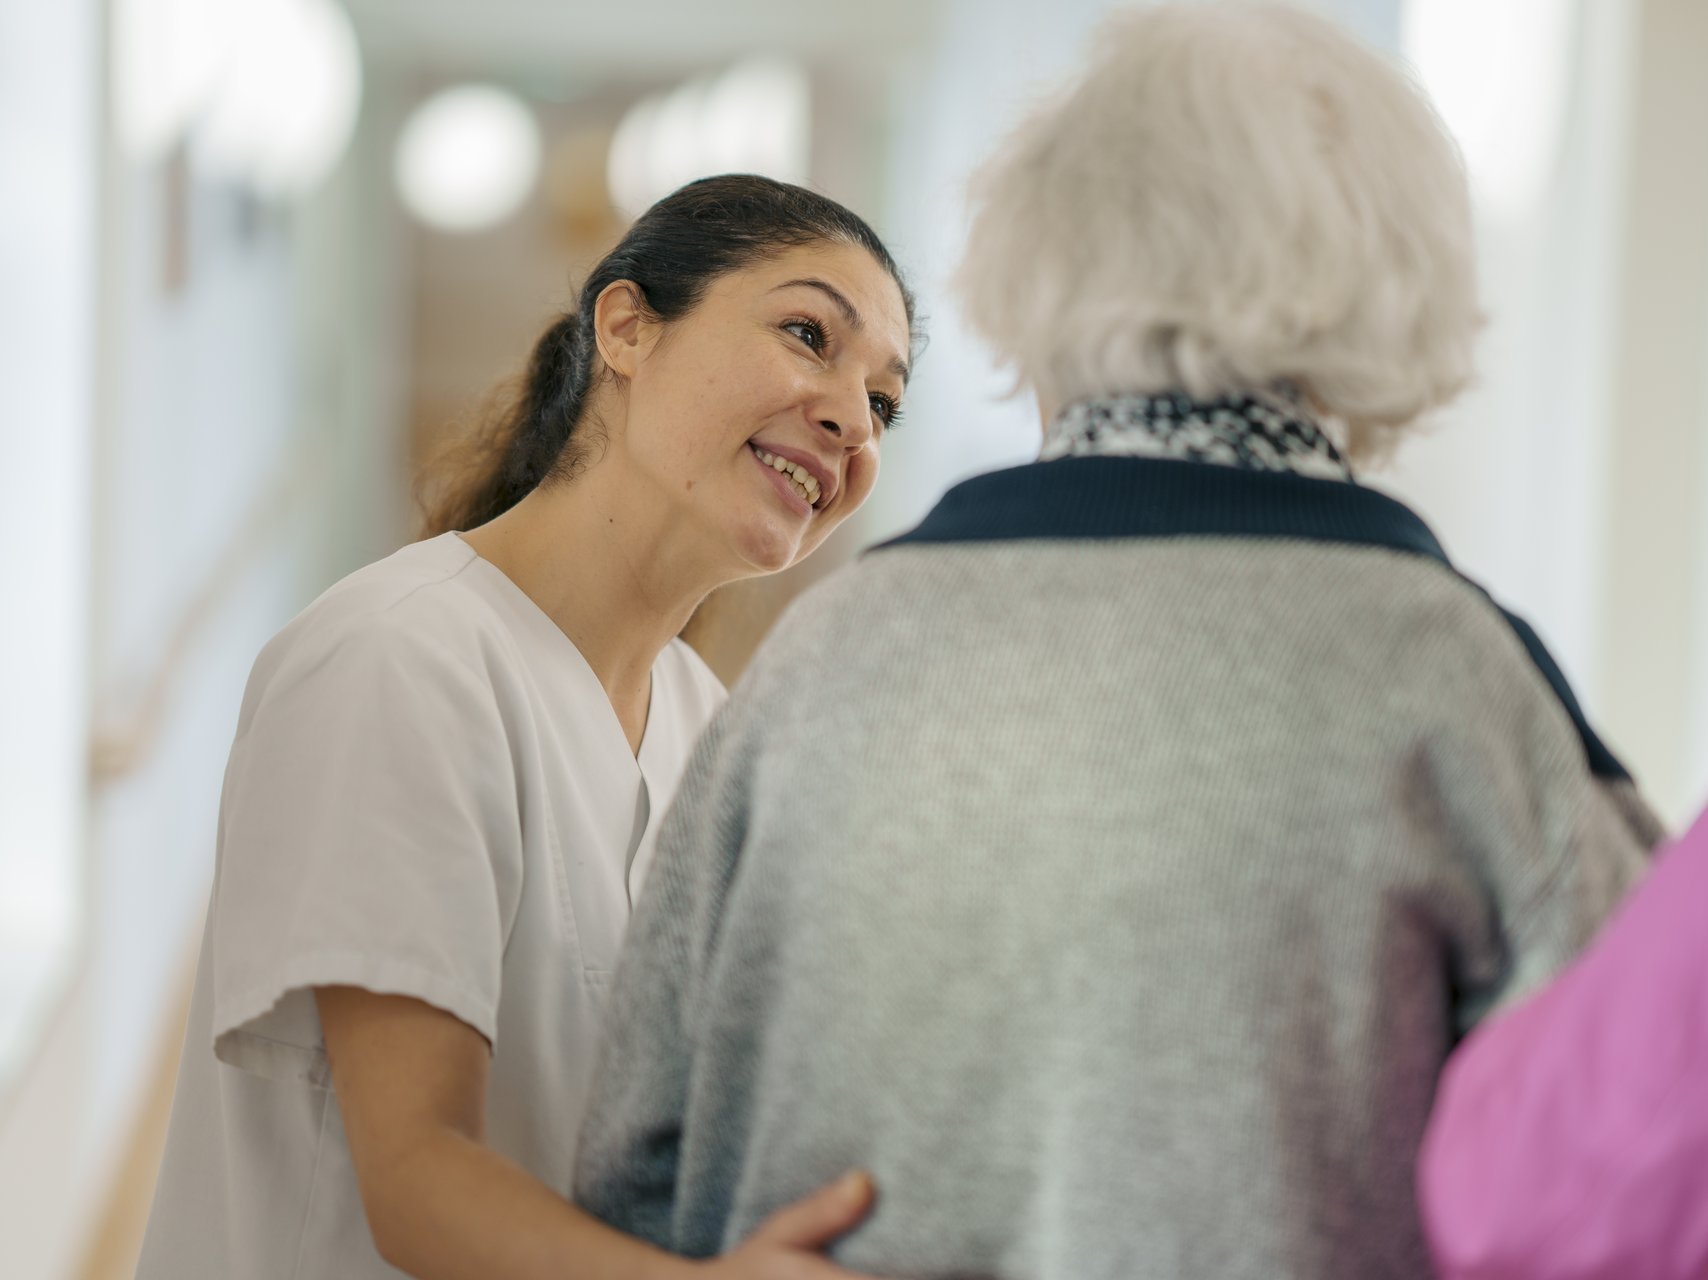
<point x="655" y="735"/>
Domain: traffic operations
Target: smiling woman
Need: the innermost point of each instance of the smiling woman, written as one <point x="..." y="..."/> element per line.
<point x="807" y="368"/>
<point x="765" y="253"/>
<point x="449" y="770"/>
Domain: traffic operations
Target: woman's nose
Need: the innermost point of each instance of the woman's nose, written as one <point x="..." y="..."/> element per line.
<point x="849" y="418"/>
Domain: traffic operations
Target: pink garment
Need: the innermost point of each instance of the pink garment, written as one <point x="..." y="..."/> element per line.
<point x="1569" y="1139"/>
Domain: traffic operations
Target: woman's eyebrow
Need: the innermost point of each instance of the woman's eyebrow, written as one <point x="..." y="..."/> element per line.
<point x="898" y="366"/>
<point x="836" y="295"/>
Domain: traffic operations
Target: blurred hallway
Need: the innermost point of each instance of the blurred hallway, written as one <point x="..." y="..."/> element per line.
<point x="253" y="280"/>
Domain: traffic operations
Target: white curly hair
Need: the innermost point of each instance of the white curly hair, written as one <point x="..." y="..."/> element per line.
<point x="1235" y="198"/>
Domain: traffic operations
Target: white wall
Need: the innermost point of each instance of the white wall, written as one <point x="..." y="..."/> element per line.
<point x="245" y="444"/>
<point x="48" y="103"/>
<point x="985" y="64"/>
<point x="1695" y="786"/>
<point x="1654" y="674"/>
<point x="191" y="427"/>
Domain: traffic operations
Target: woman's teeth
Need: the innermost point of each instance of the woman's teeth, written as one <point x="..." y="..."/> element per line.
<point x="805" y="482"/>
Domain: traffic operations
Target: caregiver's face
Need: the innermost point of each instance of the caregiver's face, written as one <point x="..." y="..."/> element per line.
<point x="763" y="411"/>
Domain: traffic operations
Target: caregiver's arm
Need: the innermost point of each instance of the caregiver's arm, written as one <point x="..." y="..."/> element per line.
<point x="1570" y="1134"/>
<point x="411" y="1086"/>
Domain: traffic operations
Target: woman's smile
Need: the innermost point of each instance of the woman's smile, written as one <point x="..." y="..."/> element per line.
<point x="802" y="482"/>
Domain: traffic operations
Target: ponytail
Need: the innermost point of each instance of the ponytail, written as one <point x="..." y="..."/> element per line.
<point x="519" y="445"/>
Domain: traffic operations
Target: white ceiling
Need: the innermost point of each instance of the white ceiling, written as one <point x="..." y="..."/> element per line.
<point x="625" y="39"/>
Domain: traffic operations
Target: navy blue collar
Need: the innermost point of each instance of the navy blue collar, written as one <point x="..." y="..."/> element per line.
<point x="1077" y="498"/>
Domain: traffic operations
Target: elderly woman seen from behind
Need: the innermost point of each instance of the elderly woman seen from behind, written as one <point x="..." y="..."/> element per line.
<point x="1109" y="864"/>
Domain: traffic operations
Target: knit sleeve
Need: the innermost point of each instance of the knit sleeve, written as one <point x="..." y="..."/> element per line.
<point x="1553" y="844"/>
<point x="629" y="1149"/>
<point x="1601" y="850"/>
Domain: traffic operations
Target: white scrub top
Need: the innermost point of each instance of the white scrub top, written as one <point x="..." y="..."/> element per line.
<point x="429" y="795"/>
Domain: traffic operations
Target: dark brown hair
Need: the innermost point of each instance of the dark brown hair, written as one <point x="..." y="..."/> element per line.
<point x="672" y="253"/>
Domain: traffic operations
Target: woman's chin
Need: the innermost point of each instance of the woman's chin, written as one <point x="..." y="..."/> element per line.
<point x="767" y="549"/>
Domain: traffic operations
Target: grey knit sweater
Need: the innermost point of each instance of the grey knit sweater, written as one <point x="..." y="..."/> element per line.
<point x="1108" y="867"/>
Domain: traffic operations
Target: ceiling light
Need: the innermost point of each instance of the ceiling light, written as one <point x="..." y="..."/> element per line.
<point x="288" y="99"/>
<point x="467" y="158"/>
<point x="753" y="118"/>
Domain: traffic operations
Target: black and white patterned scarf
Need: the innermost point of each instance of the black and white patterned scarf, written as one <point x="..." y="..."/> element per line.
<point x="1234" y="431"/>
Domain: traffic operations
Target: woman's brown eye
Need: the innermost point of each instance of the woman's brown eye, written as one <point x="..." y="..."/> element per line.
<point x="809" y="332"/>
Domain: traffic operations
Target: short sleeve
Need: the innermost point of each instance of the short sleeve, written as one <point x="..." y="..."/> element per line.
<point x="370" y="836"/>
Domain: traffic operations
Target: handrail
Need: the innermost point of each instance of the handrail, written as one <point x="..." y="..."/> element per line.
<point x="120" y="744"/>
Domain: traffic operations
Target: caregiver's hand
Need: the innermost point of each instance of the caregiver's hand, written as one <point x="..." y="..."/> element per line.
<point x="411" y="1084"/>
<point x="786" y="1245"/>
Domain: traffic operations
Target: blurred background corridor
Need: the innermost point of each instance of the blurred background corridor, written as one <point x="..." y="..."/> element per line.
<point x="259" y="257"/>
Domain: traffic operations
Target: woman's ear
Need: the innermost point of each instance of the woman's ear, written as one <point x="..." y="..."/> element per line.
<point x="622" y="327"/>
